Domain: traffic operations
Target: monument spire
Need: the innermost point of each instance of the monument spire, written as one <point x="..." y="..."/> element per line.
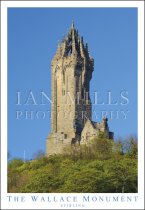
<point x="71" y="73"/>
<point x="71" y="70"/>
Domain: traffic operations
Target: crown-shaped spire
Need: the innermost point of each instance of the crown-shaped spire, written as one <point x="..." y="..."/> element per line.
<point x="72" y="43"/>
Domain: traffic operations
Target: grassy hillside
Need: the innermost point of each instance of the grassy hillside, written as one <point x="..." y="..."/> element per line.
<point x="100" y="167"/>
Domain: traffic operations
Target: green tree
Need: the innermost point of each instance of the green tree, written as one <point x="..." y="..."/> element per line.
<point x="102" y="166"/>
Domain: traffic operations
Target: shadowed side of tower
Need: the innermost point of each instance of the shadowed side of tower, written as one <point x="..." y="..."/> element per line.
<point x="71" y="71"/>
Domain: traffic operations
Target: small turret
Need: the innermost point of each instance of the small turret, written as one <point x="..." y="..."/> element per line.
<point x="58" y="52"/>
<point x="72" y="26"/>
<point x="105" y="124"/>
<point x="82" y="47"/>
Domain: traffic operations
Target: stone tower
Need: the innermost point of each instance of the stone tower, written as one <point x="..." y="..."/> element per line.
<point x="71" y="71"/>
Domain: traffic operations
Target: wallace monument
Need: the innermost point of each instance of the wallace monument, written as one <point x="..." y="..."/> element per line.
<point x="71" y="71"/>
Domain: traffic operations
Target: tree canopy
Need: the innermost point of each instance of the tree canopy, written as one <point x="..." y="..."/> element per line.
<point x="103" y="166"/>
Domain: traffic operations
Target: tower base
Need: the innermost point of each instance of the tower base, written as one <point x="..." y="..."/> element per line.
<point x="56" y="143"/>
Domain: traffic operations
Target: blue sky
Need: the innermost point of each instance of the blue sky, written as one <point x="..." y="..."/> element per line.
<point x="33" y="34"/>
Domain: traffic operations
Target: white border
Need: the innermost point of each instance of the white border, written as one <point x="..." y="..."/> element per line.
<point x="29" y="205"/>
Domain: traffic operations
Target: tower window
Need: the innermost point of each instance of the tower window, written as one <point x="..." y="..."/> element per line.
<point x="82" y="93"/>
<point x="63" y="92"/>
